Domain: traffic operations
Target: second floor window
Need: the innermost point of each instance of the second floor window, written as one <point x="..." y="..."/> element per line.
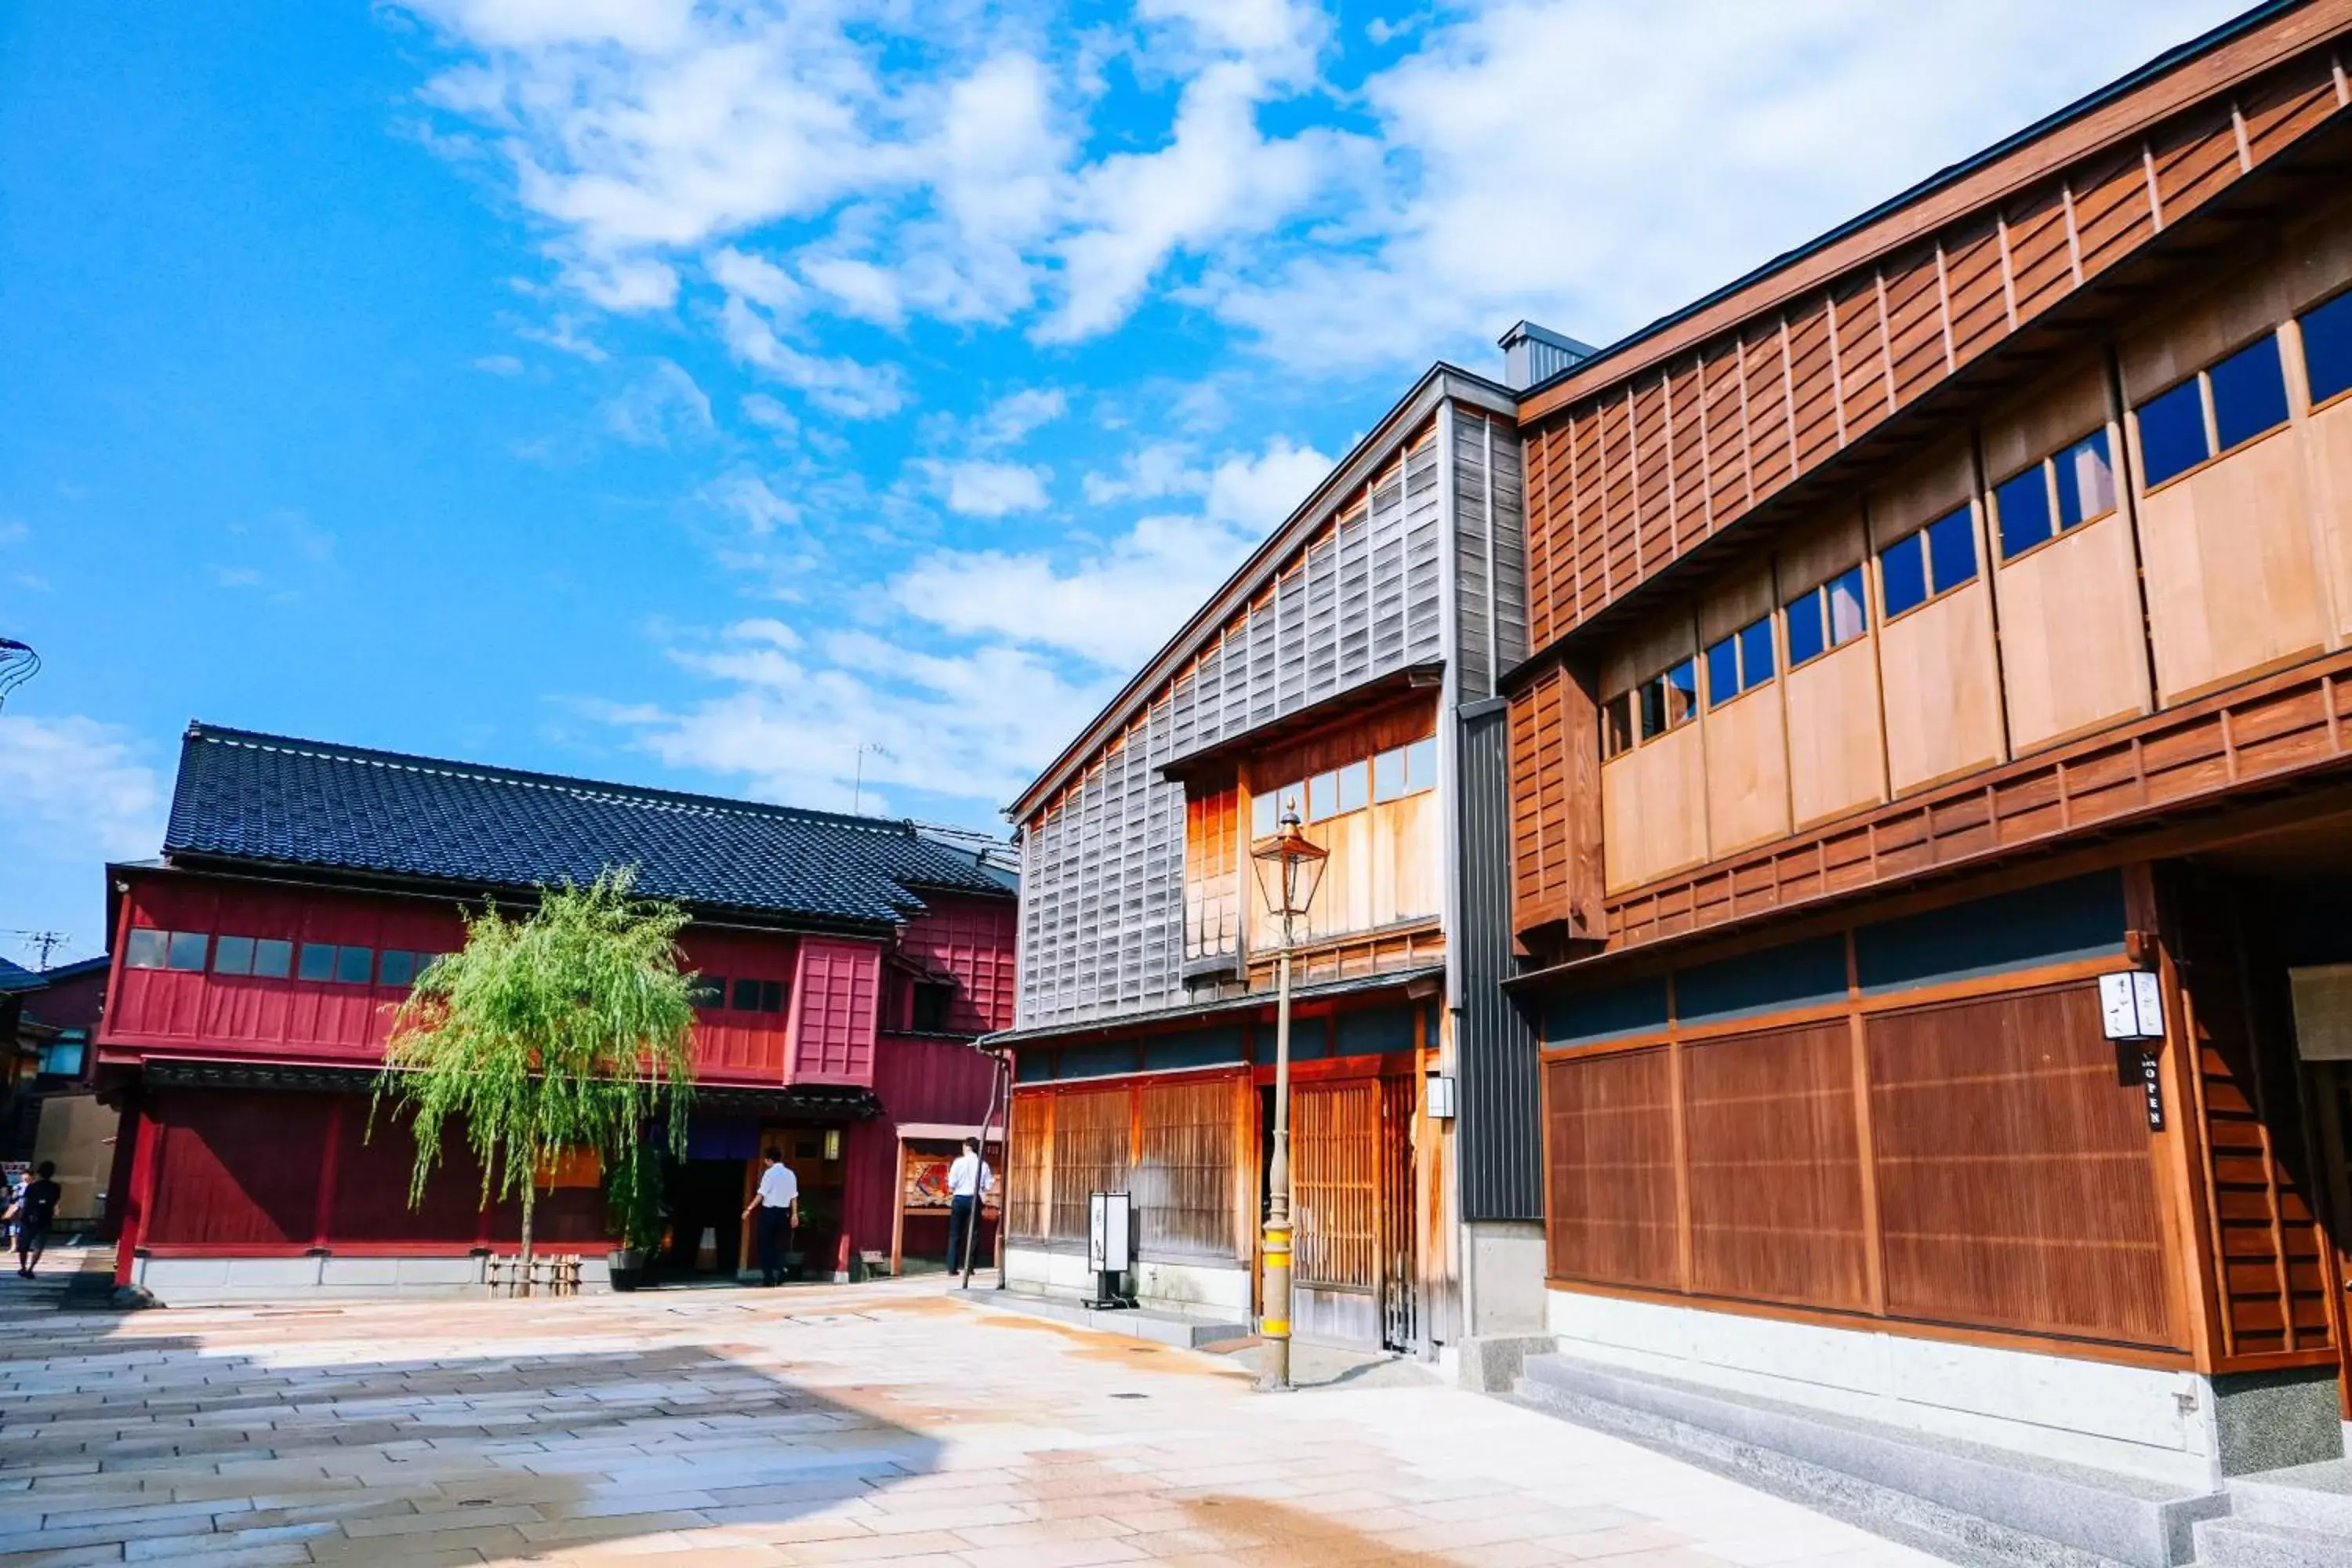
<point x="341" y="966"/>
<point x="1932" y="561"/>
<point x="264" y="957"/>
<point x="180" y="950"/>
<point x="1665" y="702"/>
<point x="1385" y="777"/>
<point x="1740" y="662"/>
<point x="2327" y="348"/>
<point x="931" y="1004"/>
<point x="2063" y="490"/>
<point x="1825" y="618"/>
<point x="759" y="996"/>
<point x="2215" y="411"/>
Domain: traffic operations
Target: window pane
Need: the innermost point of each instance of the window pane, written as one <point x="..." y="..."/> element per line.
<point x="1848" y="616"/>
<point x="707" y="991"/>
<point x="2249" y="393"/>
<point x="395" y="967"/>
<point x="1952" y="549"/>
<point x="318" y="960"/>
<point x="272" y="958"/>
<point x="771" y="995"/>
<point x="1421" y="765"/>
<point x="1903" y="573"/>
<point x="1617" y="725"/>
<point x="2086" y="481"/>
<point x="145" y="950"/>
<point x="1681" y="693"/>
<point x="232" y="955"/>
<point x="1756" y="652"/>
<point x="2327" y="348"/>
<point x="1322" y="796"/>
<point x="61" y="1059"/>
<point x="747" y="996"/>
<point x="1653" y="707"/>
<point x="187" y="950"/>
<point x="1722" y="672"/>
<point x="1387" y="774"/>
<point x="2171" y="432"/>
<point x="1807" y="636"/>
<point x="1266" y="816"/>
<point x="1355" y="786"/>
<point x="2021" y="507"/>
<point x="355" y="964"/>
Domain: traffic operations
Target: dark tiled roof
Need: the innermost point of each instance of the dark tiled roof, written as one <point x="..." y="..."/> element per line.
<point x="15" y="977"/>
<point x="305" y="803"/>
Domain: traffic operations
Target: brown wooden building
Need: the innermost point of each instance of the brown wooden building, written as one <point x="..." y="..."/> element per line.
<point x="1949" y="614"/>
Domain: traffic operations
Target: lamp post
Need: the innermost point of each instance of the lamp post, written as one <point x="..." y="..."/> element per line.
<point x="1289" y="869"/>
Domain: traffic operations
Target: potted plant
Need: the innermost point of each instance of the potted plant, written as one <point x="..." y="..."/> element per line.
<point x="635" y="1214"/>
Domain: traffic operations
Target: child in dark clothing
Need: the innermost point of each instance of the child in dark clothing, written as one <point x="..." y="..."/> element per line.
<point x="33" y="1211"/>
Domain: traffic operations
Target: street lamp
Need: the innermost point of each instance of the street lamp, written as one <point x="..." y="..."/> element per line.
<point x="1289" y="869"/>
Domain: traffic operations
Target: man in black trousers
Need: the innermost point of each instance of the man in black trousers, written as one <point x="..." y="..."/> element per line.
<point x="968" y="1178"/>
<point x="776" y="1203"/>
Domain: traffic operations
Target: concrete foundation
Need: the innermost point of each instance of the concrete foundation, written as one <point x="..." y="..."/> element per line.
<point x="219" y="1282"/>
<point x="1220" y="1291"/>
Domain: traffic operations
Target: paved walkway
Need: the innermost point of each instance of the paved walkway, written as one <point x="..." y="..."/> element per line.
<point x="819" y="1426"/>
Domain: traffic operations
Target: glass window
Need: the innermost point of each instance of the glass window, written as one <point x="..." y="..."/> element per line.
<point x="318" y="960"/>
<point x="1421" y="765"/>
<point x="232" y="955"/>
<point x="771" y="995"/>
<point x="2249" y="394"/>
<point x="355" y="964"/>
<point x="272" y="958"/>
<point x="2327" y="348"/>
<point x="1617" y="725"/>
<point x="1355" y="786"/>
<point x="1847" y="615"/>
<point x="145" y="950"/>
<point x="395" y="966"/>
<point x="2171" y="432"/>
<point x="187" y="950"/>
<point x="2020" y="507"/>
<point x="707" y="991"/>
<point x="1903" y="573"/>
<point x="1756" y="653"/>
<point x="61" y="1059"/>
<point x="931" y="1004"/>
<point x="1387" y="774"/>
<point x="1952" y="549"/>
<point x="2086" y="481"/>
<point x="1322" y="796"/>
<point x="1266" y="816"/>
<point x="1723" y="672"/>
<point x="747" y="996"/>
<point x="1807" y="637"/>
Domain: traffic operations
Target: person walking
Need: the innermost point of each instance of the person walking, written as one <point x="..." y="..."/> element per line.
<point x="968" y="1178"/>
<point x="33" y="1211"/>
<point x="777" y="1203"/>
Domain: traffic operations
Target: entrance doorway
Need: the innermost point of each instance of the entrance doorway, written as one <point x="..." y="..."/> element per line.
<point x="1351" y="1197"/>
<point x="705" y="1200"/>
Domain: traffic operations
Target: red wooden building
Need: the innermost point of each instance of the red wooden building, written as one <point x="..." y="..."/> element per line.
<point x="845" y="964"/>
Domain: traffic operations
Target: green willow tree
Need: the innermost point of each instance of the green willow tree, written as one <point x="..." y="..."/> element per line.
<point x="564" y="1031"/>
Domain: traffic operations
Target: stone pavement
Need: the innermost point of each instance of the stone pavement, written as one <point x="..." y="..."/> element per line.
<point x="830" y="1425"/>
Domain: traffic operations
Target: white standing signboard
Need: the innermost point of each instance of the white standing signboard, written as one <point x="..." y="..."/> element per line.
<point x="1108" y="1230"/>
<point x="2131" y="1007"/>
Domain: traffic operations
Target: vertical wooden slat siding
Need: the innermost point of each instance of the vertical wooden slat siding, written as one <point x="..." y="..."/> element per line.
<point x="2015" y="1184"/>
<point x="1090" y="1155"/>
<point x="1608" y="1169"/>
<point x="1183" y="1179"/>
<point x="1028" y="1166"/>
<point x="1335" y="1174"/>
<point x="1776" y="1167"/>
<point x="1903" y="323"/>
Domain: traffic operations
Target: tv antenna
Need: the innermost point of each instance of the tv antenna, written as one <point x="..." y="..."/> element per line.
<point x="45" y="943"/>
<point x="857" y="781"/>
<point x="19" y="664"/>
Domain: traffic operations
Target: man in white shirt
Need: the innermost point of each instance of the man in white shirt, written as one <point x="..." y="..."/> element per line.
<point x="777" y="1203"/>
<point x="968" y="1178"/>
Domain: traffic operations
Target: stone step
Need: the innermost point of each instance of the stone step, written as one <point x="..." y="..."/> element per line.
<point x="2315" y="1497"/>
<point x="2242" y="1543"/>
<point x="1963" y="1500"/>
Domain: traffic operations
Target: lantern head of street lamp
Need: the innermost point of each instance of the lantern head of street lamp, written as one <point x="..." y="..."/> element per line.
<point x="1289" y="868"/>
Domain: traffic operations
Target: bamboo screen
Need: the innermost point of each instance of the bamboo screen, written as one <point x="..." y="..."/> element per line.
<point x="1335" y="1172"/>
<point x="1610" y="1181"/>
<point x="1029" y="1142"/>
<point x="1775" y="1166"/>
<point x="1090" y="1134"/>
<point x="1183" y="1180"/>
<point x="2014" y="1182"/>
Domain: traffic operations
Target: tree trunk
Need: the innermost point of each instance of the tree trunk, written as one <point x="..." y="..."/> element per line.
<point x="522" y="1267"/>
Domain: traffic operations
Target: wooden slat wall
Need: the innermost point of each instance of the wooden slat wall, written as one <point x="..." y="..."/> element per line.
<point x="1090" y="1145"/>
<point x="1183" y="1146"/>
<point x="1185" y="1157"/>
<point x="1974" y="1163"/>
<point x="1786" y="391"/>
<point x="1335" y="1183"/>
<point x="1555" y="803"/>
<point x="2015" y="1184"/>
<point x="1029" y="1165"/>
<point x="1776" y="1167"/>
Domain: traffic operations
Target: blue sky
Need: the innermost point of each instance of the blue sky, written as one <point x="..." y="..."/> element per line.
<point x="695" y="394"/>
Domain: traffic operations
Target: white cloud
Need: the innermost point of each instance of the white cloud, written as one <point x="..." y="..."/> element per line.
<point x="844" y="387"/>
<point x="662" y="405"/>
<point x="976" y="487"/>
<point x="750" y="498"/>
<point x="769" y="416"/>
<point x="500" y="364"/>
<point x="1255" y="493"/>
<point x="82" y="785"/>
<point x="1013" y="418"/>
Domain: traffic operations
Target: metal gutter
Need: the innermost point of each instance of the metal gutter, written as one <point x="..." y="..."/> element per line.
<point x="1081" y="1028"/>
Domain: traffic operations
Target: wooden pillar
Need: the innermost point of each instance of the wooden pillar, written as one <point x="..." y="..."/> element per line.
<point x="146" y="1154"/>
<point x="330" y="1160"/>
<point x="899" y="1208"/>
